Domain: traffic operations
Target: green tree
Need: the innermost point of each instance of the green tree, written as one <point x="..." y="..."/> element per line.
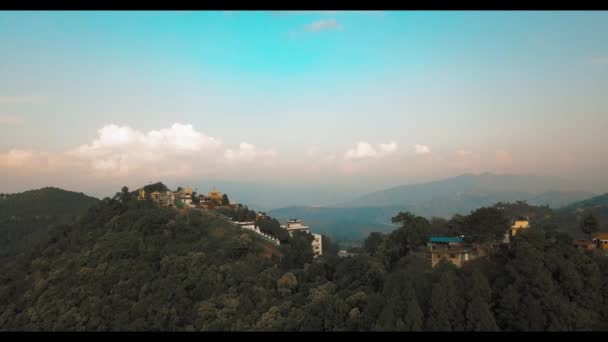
<point x="373" y="242"/>
<point x="287" y="283"/>
<point x="225" y="200"/>
<point x="298" y="251"/>
<point x="590" y="224"/>
<point x="482" y="225"/>
<point x="195" y="198"/>
<point x="446" y="304"/>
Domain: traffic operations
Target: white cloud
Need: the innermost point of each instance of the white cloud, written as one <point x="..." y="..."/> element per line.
<point x="366" y="150"/>
<point x="362" y="150"/>
<point x="15" y="158"/>
<point x="388" y="148"/>
<point x="323" y="25"/>
<point x="11" y="120"/>
<point x="421" y="149"/>
<point x="248" y="153"/>
<point x="121" y="150"/>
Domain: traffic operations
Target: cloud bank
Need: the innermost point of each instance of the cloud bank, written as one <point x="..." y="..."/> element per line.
<point x="365" y="150"/>
<point x="421" y="149"/>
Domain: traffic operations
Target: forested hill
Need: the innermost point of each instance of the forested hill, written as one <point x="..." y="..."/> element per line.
<point x="25" y="218"/>
<point x="597" y="201"/>
<point x="48" y="201"/>
<point x="132" y="265"/>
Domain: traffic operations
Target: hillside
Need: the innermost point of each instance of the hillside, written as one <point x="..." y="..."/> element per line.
<point x="44" y="202"/>
<point x="25" y="218"/>
<point x="129" y="266"/>
<point x="597" y="201"/>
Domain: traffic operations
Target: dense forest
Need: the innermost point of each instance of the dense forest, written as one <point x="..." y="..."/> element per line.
<point x="132" y="265"/>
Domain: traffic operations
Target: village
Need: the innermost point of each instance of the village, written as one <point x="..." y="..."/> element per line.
<point x="456" y="251"/>
<point x="184" y="198"/>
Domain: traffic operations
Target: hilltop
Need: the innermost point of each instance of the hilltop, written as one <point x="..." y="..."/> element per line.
<point x="119" y="265"/>
<point x="27" y="217"/>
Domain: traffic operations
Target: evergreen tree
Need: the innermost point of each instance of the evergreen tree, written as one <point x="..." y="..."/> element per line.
<point x="414" y="317"/>
<point x="590" y="224"/>
<point x="479" y="317"/>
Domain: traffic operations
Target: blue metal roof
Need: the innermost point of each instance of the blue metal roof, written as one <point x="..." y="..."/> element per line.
<point x="445" y="239"/>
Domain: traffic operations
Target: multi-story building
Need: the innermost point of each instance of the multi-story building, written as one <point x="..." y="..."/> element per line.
<point x="520" y="224"/>
<point x="295" y="225"/>
<point x="454" y="250"/>
<point x="600" y="240"/>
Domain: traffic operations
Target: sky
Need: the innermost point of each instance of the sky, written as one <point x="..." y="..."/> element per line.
<point x="92" y="101"/>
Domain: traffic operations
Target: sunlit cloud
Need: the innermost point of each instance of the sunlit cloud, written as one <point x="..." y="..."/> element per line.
<point x="364" y="150"/>
<point x="324" y="25"/>
<point x="248" y="153"/>
<point x="421" y="149"/>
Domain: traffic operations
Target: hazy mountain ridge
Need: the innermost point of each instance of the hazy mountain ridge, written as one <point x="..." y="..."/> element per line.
<point x="466" y="192"/>
<point x="443" y="198"/>
<point x="596" y="201"/>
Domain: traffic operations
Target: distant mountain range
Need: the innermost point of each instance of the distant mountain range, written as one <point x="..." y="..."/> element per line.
<point x="594" y="202"/>
<point x="443" y="198"/>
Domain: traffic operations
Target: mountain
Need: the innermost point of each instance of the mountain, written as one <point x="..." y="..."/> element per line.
<point x="597" y="201"/>
<point x="133" y="266"/>
<point x="129" y="265"/>
<point x="461" y="194"/>
<point x="353" y="220"/>
<point x="27" y="217"/>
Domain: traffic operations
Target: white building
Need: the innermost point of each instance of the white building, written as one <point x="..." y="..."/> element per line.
<point x="295" y="225"/>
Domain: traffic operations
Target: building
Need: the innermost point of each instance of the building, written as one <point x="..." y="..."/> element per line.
<point x="155" y="196"/>
<point x="454" y="250"/>
<point x="250" y="225"/>
<point x="167" y="199"/>
<point x="345" y="254"/>
<point x="600" y="240"/>
<point x="317" y="245"/>
<point x="141" y="195"/>
<point x="213" y="197"/>
<point x="520" y="224"/>
<point x="584" y="244"/>
<point x="295" y="225"/>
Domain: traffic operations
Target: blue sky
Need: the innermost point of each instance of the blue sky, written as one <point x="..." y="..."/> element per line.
<point x="513" y="92"/>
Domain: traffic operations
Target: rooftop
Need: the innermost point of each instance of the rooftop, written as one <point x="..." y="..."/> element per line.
<point x="445" y="239"/>
<point x="600" y="236"/>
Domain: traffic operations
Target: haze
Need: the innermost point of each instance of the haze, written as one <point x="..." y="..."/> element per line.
<point x="342" y="102"/>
